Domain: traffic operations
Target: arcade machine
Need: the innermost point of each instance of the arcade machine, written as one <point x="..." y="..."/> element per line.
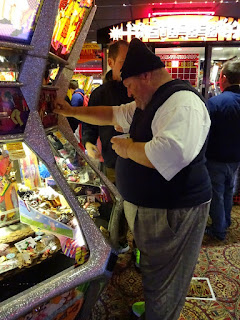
<point x="54" y="260"/>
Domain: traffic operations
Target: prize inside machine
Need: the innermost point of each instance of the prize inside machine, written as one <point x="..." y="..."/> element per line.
<point x="39" y="233"/>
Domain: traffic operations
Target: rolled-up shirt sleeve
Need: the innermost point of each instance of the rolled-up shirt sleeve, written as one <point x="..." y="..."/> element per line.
<point x="180" y="128"/>
<point x="124" y="114"/>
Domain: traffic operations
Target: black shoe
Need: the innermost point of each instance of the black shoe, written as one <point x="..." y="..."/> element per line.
<point x="210" y="233"/>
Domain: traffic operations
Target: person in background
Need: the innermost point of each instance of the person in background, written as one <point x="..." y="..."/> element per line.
<point x="111" y="92"/>
<point x="161" y="175"/>
<point x="75" y="101"/>
<point x="223" y="151"/>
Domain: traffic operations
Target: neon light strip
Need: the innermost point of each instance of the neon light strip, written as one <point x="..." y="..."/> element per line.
<point x="170" y="13"/>
<point x="88" y="70"/>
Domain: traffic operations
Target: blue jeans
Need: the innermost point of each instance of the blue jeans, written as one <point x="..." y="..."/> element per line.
<point x="222" y="178"/>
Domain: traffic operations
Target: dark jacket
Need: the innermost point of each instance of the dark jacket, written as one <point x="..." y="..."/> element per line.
<point x="224" y="136"/>
<point x="110" y="93"/>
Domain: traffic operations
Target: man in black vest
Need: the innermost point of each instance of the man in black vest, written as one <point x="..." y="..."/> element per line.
<point x="161" y="175"/>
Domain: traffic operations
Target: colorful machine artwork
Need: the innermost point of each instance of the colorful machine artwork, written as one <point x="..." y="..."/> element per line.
<point x="14" y="111"/>
<point x="32" y="217"/>
<point x="69" y="21"/>
<point x="8" y="196"/>
<point x="8" y="76"/>
<point x="63" y="307"/>
<point x="74" y="249"/>
<point x="29" y="169"/>
<point x="18" y="19"/>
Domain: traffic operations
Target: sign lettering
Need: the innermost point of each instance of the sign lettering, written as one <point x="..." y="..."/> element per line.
<point x="179" y="28"/>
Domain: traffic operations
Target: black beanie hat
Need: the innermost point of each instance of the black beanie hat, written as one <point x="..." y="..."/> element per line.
<point x="139" y="59"/>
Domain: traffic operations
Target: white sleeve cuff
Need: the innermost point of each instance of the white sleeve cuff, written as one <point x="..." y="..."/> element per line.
<point x="166" y="169"/>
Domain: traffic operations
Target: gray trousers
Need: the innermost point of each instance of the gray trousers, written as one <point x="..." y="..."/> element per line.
<point x="169" y="242"/>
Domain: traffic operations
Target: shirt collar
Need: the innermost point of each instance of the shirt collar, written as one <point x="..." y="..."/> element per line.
<point x="234" y="88"/>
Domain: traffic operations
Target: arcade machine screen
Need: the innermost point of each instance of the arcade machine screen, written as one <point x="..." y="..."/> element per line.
<point x="18" y="19"/>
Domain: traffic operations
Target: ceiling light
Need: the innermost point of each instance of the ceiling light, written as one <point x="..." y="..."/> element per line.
<point x="177" y="49"/>
<point x="217" y="49"/>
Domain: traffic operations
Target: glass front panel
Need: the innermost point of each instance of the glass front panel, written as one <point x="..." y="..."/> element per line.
<point x="10" y="63"/>
<point x="90" y="191"/>
<point x="14" y="111"/>
<point x="39" y="234"/>
<point x="52" y="71"/>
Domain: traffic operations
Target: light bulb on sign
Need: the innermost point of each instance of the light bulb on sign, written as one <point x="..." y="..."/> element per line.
<point x="175" y="64"/>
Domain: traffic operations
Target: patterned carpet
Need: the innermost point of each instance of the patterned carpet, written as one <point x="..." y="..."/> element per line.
<point x="218" y="261"/>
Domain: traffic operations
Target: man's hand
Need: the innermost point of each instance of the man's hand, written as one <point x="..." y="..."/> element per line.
<point x="120" y="146"/>
<point x="118" y="128"/>
<point x="63" y="108"/>
<point x="92" y="151"/>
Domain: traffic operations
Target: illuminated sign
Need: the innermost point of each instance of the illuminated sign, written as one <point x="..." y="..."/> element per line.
<point x="90" y="52"/>
<point x="182" y="66"/>
<point x="180" y="56"/>
<point x="179" y="28"/>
